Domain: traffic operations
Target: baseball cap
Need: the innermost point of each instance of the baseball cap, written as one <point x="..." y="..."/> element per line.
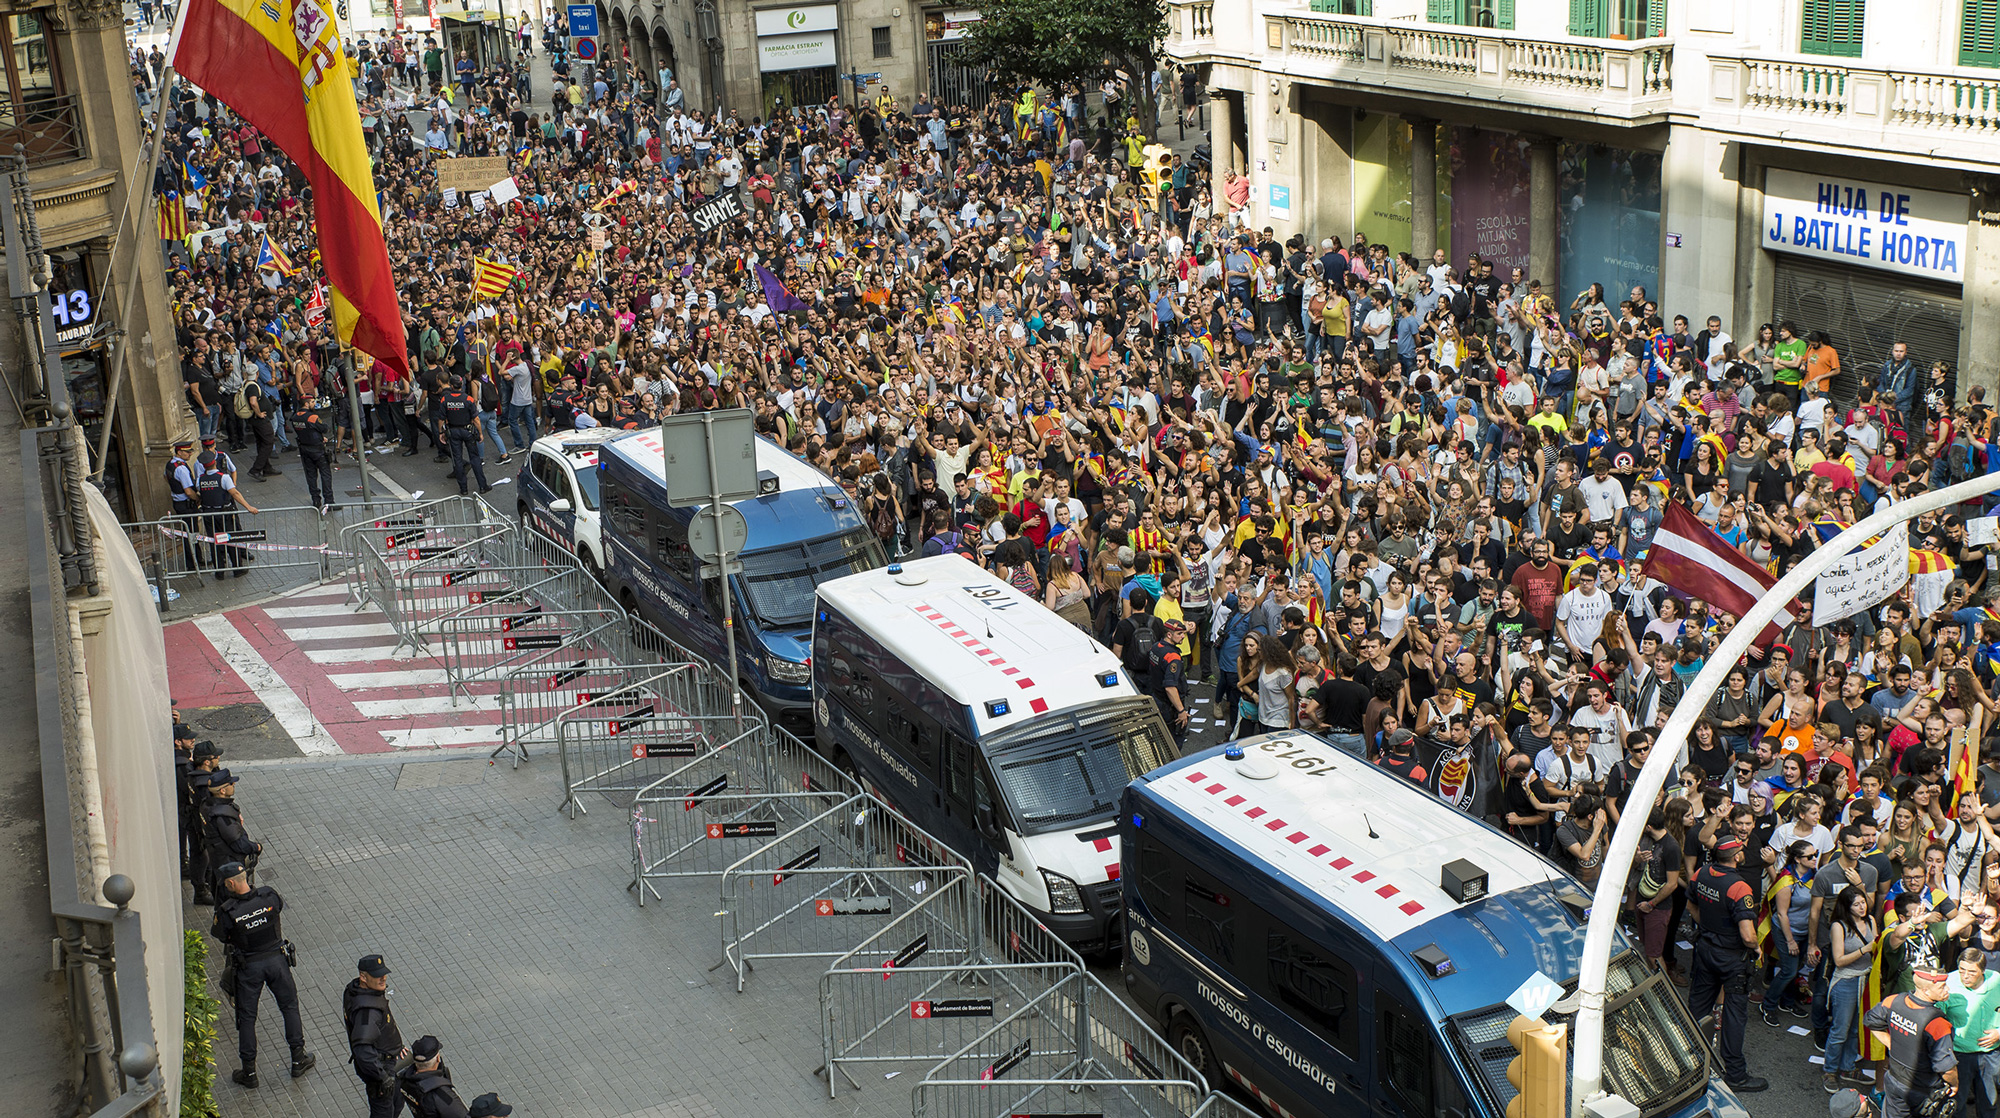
<point x="1399" y="737"/>
<point x="489" y="1105"/>
<point x="373" y="966"/>
<point x="426" y="1047"/>
<point x="220" y="777"/>
<point x="228" y="870"/>
<point x="1845" y="1103"/>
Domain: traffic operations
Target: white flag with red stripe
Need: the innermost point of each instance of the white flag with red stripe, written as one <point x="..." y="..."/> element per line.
<point x="1689" y="557"/>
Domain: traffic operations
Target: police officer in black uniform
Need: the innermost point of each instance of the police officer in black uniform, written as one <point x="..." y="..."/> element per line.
<point x="309" y="431"/>
<point x="181" y="473"/>
<point x="218" y="498"/>
<point x="247" y="923"/>
<point x="1726" y="913"/>
<point x="183" y="769"/>
<point x="223" y="820"/>
<point x="461" y="421"/>
<point x="427" y="1084"/>
<point x="1918" y="1035"/>
<point x="376" y="1044"/>
<point x="201" y="866"/>
<point x="1167" y="679"/>
<point x="489" y="1105"/>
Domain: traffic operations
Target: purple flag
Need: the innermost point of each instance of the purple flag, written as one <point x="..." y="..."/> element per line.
<point x="775" y="295"/>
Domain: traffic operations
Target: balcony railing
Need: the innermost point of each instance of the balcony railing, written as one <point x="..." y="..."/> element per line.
<point x="1580" y="75"/>
<point x="1854" y="105"/>
<point x="49" y="129"/>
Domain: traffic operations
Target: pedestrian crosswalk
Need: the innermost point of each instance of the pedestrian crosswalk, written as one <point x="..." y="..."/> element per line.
<point x="332" y="676"/>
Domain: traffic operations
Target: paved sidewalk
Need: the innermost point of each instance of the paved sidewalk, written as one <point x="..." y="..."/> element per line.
<point x="512" y="938"/>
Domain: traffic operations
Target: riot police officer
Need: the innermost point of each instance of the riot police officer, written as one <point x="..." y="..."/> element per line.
<point x="309" y="430"/>
<point x="217" y="496"/>
<point x="223" y="820"/>
<point x="427" y="1086"/>
<point x="183" y="768"/>
<point x="1727" y="916"/>
<point x="372" y="1037"/>
<point x="461" y="421"/>
<point x="1166" y="679"/>
<point x="247" y="923"/>
<point x="201" y="865"/>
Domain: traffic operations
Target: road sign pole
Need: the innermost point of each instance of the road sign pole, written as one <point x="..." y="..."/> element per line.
<point x="722" y="562"/>
<point x="1588" y="1046"/>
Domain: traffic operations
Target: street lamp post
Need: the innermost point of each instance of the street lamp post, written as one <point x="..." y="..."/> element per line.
<point x="1589" y="1034"/>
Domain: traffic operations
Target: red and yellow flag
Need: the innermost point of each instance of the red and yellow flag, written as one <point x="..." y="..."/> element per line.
<point x="279" y="64"/>
<point x="491" y="277"/>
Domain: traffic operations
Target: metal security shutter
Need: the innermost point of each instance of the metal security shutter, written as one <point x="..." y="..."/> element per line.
<point x="1865" y="312"/>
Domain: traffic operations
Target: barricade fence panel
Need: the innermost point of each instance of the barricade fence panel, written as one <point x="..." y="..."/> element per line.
<point x="753" y="785"/>
<point x="210" y="560"/>
<point x="629" y="737"/>
<point x="1076" y="1049"/>
<point x="532" y="696"/>
<point x="486" y="646"/>
<point x="1219" y="1105"/>
<point x="813" y="892"/>
<point x="870" y="1013"/>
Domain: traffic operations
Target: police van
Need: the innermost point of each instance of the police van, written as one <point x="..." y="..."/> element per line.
<point x="1334" y="941"/>
<point x="994" y="724"/>
<point x="557" y="492"/>
<point x="803" y="530"/>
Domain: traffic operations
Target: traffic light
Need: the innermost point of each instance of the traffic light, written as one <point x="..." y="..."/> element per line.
<point x="1541" y="1072"/>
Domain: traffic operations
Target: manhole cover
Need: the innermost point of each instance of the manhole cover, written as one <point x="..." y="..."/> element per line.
<point x="242" y="716"/>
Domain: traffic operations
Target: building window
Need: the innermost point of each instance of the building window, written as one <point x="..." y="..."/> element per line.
<point x="1832" y="27"/>
<point x="883" y="48"/>
<point x="1495" y="14"/>
<point x="1344" y="7"/>
<point x="1618" y="19"/>
<point x="1979" y="34"/>
<point x="33" y="108"/>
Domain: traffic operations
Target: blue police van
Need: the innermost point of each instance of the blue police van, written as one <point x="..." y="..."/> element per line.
<point x="1332" y="940"/>
<point x="803" y="530"/>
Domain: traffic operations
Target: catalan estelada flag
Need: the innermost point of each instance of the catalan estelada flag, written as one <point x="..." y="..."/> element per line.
<point x="490" y="277"/>
<point x="279" y="64"/>
<point x="173" y="217"/>
<point x="271" y="255"/>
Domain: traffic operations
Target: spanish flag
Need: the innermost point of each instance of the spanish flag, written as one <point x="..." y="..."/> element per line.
<point x="280" y="65"/>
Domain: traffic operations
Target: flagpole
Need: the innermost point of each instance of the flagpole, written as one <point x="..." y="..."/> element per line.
<point x="145" y="187"/>
<point x="354" y="415"/>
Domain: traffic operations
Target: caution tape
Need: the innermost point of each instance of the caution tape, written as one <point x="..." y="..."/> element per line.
<point x="252" y="541"/>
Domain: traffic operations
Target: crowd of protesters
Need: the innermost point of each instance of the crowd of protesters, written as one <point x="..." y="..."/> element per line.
<point x="1403" y="503"/>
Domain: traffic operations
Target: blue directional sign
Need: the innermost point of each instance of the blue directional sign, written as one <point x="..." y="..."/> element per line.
<point x="583" y="19"/>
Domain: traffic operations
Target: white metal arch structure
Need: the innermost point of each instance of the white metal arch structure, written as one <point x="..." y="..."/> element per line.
<point x="1589" y="1036"/>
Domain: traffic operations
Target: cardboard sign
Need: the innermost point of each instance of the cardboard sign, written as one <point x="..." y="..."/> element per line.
<point x="712" y="214"/>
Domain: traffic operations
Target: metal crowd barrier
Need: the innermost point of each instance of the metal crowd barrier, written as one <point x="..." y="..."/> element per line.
<point x="533" y="696"/>
<point x="985" y="958"/>
<point x="485" y="645"/>
<point x="813" y="891"/>
<point x="629" y="737"/>
<point x="756" y="783"/>
<point x="1074" y="1049"/>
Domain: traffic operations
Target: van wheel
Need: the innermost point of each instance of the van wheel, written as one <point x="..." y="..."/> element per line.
<point x="1187" y="1040"/>
<point x="847" y="768"/>
<point x="590" y="567"/>
<point x="521" y="512"/>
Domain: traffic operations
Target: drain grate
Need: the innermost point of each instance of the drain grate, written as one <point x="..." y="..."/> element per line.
<point x="241" y="716"/>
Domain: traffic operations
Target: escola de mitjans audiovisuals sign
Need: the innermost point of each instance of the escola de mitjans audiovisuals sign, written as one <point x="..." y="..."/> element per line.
<point x="1870" y="224"/>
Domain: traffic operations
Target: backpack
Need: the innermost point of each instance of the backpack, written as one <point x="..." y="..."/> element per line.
<point x="1963" y="461"/>
<point x="1139" y="654"/>
<point x="240" y="402"/>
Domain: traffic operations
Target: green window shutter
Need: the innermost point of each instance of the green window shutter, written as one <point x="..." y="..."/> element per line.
<point x="1979" y="34"/>
<point x="1506" y="15"/>
<point x="1656" y="18"/>
<point x="1586" y="18"/>
<point x="1832" y="27"/>
<point x="1443" y="11"/>
<point x="1367" y="8"/>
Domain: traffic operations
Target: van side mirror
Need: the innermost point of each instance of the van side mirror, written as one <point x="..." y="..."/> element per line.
<point x="988" y="826"/>
<point x="560" y="504"/>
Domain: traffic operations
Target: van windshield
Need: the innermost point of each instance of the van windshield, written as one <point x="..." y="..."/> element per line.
<point x="1652" y="1057"/>
<point x="779" y="582"/>
<point x="586" y="480"/>
<point x="1068" y="767"/>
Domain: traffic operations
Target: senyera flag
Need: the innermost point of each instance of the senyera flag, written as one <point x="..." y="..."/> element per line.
<point x="1689" y="557"/>
<point x="279" y="64"/>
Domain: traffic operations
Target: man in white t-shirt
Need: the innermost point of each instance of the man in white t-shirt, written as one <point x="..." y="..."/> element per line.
<point x="1580" y="614"/>
<point x="1603" y="496"/>
<point x="1605" y="721"/>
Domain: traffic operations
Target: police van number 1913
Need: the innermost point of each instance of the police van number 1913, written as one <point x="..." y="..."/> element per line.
<point x="1310" y="761"/>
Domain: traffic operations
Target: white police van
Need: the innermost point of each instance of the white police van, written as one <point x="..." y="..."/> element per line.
<point x="991" y="722"/>
<point x="1332" y="940"/>
<point x="557" y="492"/>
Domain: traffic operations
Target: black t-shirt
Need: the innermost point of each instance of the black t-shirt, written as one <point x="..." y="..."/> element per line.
<point x="1343" y="702"/>
<point x="1770" y="479"/>
<point x="1566" y="543"/>
<point x="1508" y="627"/>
